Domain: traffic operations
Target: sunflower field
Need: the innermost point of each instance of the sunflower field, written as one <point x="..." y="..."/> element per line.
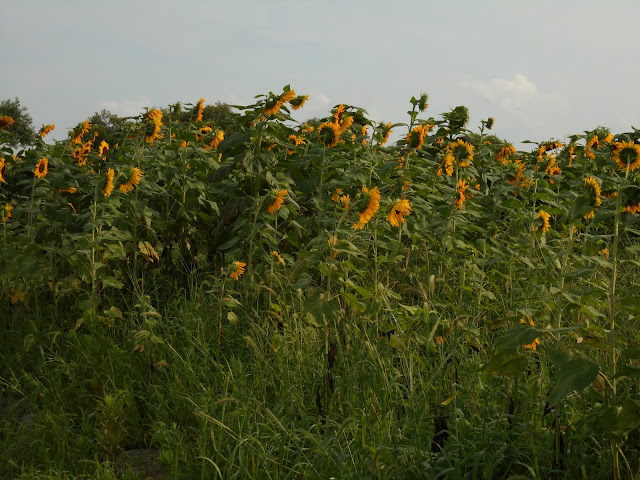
<point x="257" y="297"/>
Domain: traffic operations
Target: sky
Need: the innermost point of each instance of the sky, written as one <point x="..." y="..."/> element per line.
<point x="543" y="69"/>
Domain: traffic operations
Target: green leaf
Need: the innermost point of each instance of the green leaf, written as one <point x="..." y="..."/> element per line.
<point x="574" y="374"/>
<point x="506" y="362"/>
<point x="112" y="282"/>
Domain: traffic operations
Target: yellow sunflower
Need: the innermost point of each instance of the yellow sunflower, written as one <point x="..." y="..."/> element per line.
<point x="41" y="168"/>
<point x="594" y="187"/>
<point x="386" y="131"/>
<point x="545" y="216"/>
<point x="46" y="130"/>
<point x="400" y="210"/>
<point x="504" y="153"/>
<point x="331" y="134"/>
<point x="199" y="110"/>
<point x="6" y="121"/>
<point x="462" y="151"/>
<point x="277" y="203"/>
<point x="83" y="129"/>
<point x="3" y="169"/>
<point x="278" y="257"/>
<point x="136" y="177"/>
<point x="108" y="188"/>
<point x="626" y="154"/>
<point x="238" y="270"/>
<point x="299" y="101"/>
<point x="372" y="208"/>
<point x="533" y="345"/>
<point x="155" y="117"/>
<point x="7" y="213"/>
<point x="460" y="196"/>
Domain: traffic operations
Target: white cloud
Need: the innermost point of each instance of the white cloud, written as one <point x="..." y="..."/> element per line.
<point x="126" y="108"/>
<point x="509" y="95"/>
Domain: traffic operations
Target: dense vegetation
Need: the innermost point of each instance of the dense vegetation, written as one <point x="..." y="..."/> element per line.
<point x="244" y="296"/>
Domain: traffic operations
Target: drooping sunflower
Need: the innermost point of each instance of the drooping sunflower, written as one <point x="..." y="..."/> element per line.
<point x="7" y="213"/>
<point x="136" y="177"/>
<point x="299" y="101"/>
<point x="277" y="203"/>
<point x="278" y="257"/>
<point x="41" y="168"/>
<point x="331" y="134"/>
<point x="504" y="153"/>
<point x="460" y="195"/>
<point x="592" y="143"/>
<point x="84" y="128"/>
<point x="199" y="110"/>
<point x="604" y="252"/>
<point x="490" y="122"/>
<point x="272" y="107"/>
<point x="6" y="121"/>
<point x="594" y="189"/>
<point x="238" y="270"/>
<point x="46" y="130"/>
<point x="545" y="216"/>
<point x="70" y="190"/>
<point x="155" y="117"/>
<point x="215" y="141"/>
<point x="533" y="345"/>
<point x="626" y="154"/>
<point x="401" y="209"/>
<point x="386" y="131"/>
<point x="3" y="169"/>
<point x="552" y="168"/>
<point x="297" y="140"/>
<point x="108" y="188"/>
<point x="372" y="208"/>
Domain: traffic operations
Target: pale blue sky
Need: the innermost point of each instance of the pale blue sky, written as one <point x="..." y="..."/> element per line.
<point x="543" y="69"/>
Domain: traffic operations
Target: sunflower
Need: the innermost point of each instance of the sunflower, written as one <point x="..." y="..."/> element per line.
<point x="400" y="210"/>
<point x="626" y="154"/>
<point x="277" y="203"/>
<point x="604" y="252"/>
<point x="331" y="136"/>
<point x="299" y="101"/>
<point x="306" y="128"/>
<point x="46" y="130"/>
<point x="41" y="168"/>
<point x="104" y="148"/>
<point x="344" y="125"/>
<point x="3" y="169"/>
<point x="592" y="143"/>
<point x="272" y="107"/>
<point x="7" y="213"/>
<point x="297" y="140"/>
<point x="6" y="121"/>
<point x="462" y="151"/>
<point x="136" y="177"/>
<point x="533" y="345"/>
<point x="203" y="131"/>
<point x="594" y="187"/>
<point x="490" y="122"/>
<point x="547" y="147"/>
<point x="415" y="138"/>
<point x="238" y="270"/>
<point x="278" y="257"/>
<point x="504" y="153"/>
<point x="335" y="196"/>
<point x="216" y="140"/>
<point x="71" y="190"/>
<point x="386" y="131"/>
<point x="108" y="188"/>
<point x="83" y="129"/>
<point x="545" y="221"/>
<point x="372" y="208"/>
<point x="460" y="198"/>
<point x="552" y="168"/>
<point x="155" y="117"/>
<point x="345" y="200"/>
<point x="199" y="109"/>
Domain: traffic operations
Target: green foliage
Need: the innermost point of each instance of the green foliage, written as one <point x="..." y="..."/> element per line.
<point x="22" y="130"/>
<point x="241" y="295"/>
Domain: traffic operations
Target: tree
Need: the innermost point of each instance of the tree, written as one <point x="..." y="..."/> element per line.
<point x="22" y="128"/>
<point x="109" y="126"/>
